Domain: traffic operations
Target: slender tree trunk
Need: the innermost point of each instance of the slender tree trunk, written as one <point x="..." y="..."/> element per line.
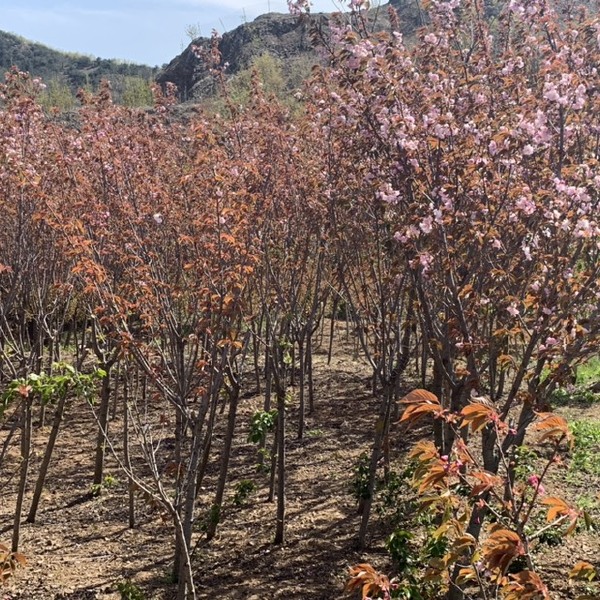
<point x="25" y="454"/>
<point x="301" y="411"/>
<point x="102" y="427"/>
<point x="273" y="471"/>
<point x="39" y="486"/>
<point x="186" y="588"/>
<point x="126" y="455"/>
<point x="280" y="528"/>
<point x="267" y="402"/>
<point x="331" y="333"/>
<point x="380" y="431"/>
<point x="309" y="375"/>
<point x="225" y="456"/>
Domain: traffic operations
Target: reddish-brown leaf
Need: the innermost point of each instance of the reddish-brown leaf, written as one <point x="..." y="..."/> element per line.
<point x="418" y="404"/>
<point x="368" y="580"/>
<point x="477" y="416"/>
<point x="526" y="585"/>
<point x="501" y="548"/>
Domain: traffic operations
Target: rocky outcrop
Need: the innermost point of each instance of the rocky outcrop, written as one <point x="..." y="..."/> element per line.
<point x="285" y="37"/>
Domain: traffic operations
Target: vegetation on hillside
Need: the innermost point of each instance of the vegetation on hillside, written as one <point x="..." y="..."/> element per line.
<point x="65" y="73"/>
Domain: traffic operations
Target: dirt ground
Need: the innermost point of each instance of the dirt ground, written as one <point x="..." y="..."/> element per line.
<point x="80" y="548"/>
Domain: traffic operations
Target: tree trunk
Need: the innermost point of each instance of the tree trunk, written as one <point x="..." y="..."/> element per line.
<point x="301" y="410"/>
<point x="309" y="375"/>
<point x="225" y="456"/>
<point x="126" y="455"/>
<point x="39" y="486"/>
<point x="380" y="430"/>
<point x="280" y="528"/>
<point x="25" y="453"/>
<point x="102" y="427"/>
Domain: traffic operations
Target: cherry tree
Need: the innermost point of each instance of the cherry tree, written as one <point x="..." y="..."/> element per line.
<point x="480" y="142"/>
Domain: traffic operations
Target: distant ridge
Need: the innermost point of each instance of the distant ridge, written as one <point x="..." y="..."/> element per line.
<point x="74" y="70"/>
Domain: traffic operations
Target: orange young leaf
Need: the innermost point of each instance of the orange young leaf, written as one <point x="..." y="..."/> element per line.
<point x="418" y="404"/>
<point x="420" y="396"/>
<point x="487" y="481"/>
<point x="366" y="577"/>
<point x="431" y="477"/>
<point x="465" y="575"/>
<point x="501" y="548"/>
<point x="583" y="571"/>
<point x="552" y="427"/>
<point x="559" y="508"/>
<point x="477" y="416"/>
<point x="424" y="452"/>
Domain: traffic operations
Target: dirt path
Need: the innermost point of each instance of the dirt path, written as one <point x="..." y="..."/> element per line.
<point x="80" y="546"/>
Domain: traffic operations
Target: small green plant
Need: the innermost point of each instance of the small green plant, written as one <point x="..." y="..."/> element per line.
<point x="391" y="498"/>
<point x="525" y="461"/>
<point x="400" y="549"/>
<point x="359" y="485"/>
<point x="109" y="481"/>
<point x="314" y="433"/>
<point x="243" y="490"/>
<point x="130" y="591"/>
<point x="589" y="372"/>
<point x="211" y="516"/>
<point x="575" y="396"/>
<point x="262" y="422"/>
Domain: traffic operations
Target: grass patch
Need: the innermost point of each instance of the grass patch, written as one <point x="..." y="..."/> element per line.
<point x="586" y="452"/>
<point x="589" y="373"/>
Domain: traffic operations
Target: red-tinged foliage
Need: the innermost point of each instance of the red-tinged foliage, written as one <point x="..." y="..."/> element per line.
<point x="442" y="196"/>
<point x="525" y="585"/>
<point x="477" y="416"/>
<point x="500" y="548"/>
<point x="552" y="427"/>
<point x="370" y="582"/>
<point x="484" y="482"/>
<point x="559" y="508"/>
<point x="419" y="403"/>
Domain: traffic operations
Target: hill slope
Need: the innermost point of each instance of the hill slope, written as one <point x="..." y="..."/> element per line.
<point x="285" y="37"/>
<point x="74" y="70"/>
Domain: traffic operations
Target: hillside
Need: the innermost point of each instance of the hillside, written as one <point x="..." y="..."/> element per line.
<point x="73" y="70"/>
<point x="283" y="36"/>
<point x="288" y="39"/>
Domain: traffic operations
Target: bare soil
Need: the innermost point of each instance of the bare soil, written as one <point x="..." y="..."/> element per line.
<point x="80" y="548"/>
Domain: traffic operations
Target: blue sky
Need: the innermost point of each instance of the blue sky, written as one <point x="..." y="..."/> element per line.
<point x="145" y="31"/>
